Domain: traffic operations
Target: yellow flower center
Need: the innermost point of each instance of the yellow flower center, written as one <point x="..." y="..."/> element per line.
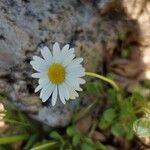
<point x="56" y="73"/>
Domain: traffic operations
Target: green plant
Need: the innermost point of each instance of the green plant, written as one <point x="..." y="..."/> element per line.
<point x="122" y="113"/>
<point x="120" y="117"/>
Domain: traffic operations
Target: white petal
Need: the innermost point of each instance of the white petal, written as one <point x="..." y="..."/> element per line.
<point x="71" y="50"/>
<point x="79" y="73"/>
<point x="54" y="96"/>
<point x="81" y="81"/>
<point x="70" y="66"/>
<point x="46" y="54"/>
<point x="75" y="69"/>
<point x="43" y="90"/>
<point x="66" y="52"/>
<point x="56" y="49"/>
<point x="68" y="59"/>
<point x="42" y="80"/>
<point x="61" y="94"/>
<point x="48" y="86"/>
<point x="48" y="92"/>
<point x="41" y="85"/>
<point x="73" y="94"/>
<point x="39" y="60"/>
<point x="38" y="75"/>
<point x="66" y="91"/>
<point x="76" y="61"/>
<point x="72" y="82"/>
<point x="38" y="66"/>
<point x="65" y="48"/>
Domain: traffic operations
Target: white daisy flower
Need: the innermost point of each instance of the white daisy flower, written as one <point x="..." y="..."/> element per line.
<point x="59" y="73"/>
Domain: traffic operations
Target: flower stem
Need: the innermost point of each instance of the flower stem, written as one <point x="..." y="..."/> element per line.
<point x="12" y="139"/>
<point x="44" y="146"/>
<point x="103" y="78"/>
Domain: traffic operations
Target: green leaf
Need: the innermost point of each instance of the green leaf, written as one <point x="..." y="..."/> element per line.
<point x="128" y="127"/>
<point x="100" y="146"/>
<point x="103" y="124"/>
<point x="93" y="88"/>
<point x="136" y="96"/>
<point x="138" y="100"/>
<point x="88" y="140"/>
<point x="127" y="111"/>
<point x="76" y="140"/>
<point x="31" y="142"/>
<point x="109" y="115"/>
<point x="113" y="96"/>
<point x="45" y="146"/>
<point x="12" y="139"/>
<point x="86" y="146"/>
<point x="4" y="147"/>
<point x="55" y="135"/>
<point x="71" y="131"/>
<point x="117" y="130"/>
<point x="147" y="83"/>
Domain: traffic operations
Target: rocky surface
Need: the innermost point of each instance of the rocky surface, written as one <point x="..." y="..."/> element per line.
<point x="133" y="71"/>
<point x="92" y="27"/>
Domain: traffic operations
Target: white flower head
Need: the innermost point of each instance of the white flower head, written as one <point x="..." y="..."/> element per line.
<point x="59" y="73"/>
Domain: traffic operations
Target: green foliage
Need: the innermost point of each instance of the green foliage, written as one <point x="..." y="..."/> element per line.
<point x="33" y="138"/>
<point x="107" y="118"/>
<point x="86" y="146"/>
<point x="76" y="140"/>
<point x="109" y="115"/>
<point x="12" y="139"/>
<point x="71" y="131"/>
<point x="119" y="117"/>
<point x="93" y="88"/>
<point x="55" y="135"/>
<point x="103" y="124"/>
<point x="73" y="140"/>
<point x="146" y="83"/>
<point x="121" y="114"/>
<point x="117" y="129"/>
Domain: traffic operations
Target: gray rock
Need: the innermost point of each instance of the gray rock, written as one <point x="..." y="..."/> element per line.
<point x="57" y="116"/>
<point x="12" y="42"/>
<point x="25" y="26"/>
<point x="105" y="6"/>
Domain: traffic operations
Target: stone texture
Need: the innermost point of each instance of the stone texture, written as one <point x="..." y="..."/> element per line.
<point x="92" y="27"/>
<point x="137" y="67"/>
<point x="12" y="42"/>
<point x="140" y="11"/>
<point x="58" y="116"/>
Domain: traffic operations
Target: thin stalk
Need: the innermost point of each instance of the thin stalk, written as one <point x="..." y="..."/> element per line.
<point x="44" y="146"/>
<point x="113" y="84"/>
<point x="16" y="122"/>
<point x="12" y="139"/>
